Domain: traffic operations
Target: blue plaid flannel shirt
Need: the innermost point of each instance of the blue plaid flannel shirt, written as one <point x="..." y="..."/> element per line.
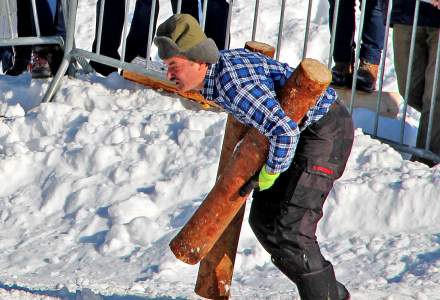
<point x="244" y="84"/>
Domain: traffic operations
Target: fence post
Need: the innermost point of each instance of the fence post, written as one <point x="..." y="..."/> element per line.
<point x="70" y="35"/>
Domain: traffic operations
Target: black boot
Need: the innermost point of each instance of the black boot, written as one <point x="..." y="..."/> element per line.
<point x="342" y="74"/>
<point x="318" y="285"/>
<point x="343" y="293"/>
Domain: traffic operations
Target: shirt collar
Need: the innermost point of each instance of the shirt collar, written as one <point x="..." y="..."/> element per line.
<point x="208" y="88"/>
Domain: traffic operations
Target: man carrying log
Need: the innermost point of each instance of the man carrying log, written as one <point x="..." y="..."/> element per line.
<point x="304" y="159"/>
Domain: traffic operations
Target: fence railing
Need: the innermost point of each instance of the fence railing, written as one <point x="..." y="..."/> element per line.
<point x="8" y="8"/>
<point x="158" y="71"/>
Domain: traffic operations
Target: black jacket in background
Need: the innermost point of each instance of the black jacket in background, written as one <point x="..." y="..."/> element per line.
<point x="403" y="13"/>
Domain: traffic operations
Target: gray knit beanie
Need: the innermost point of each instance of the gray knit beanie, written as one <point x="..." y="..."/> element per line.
<point x="182" y="35"/>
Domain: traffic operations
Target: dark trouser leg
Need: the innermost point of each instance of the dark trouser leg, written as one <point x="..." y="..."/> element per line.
<point x="373" y="32"/>
<point x="190" y="7"/>
<point x="137" y="38"/>
<point x="422" y="79"/>
<point x="431" y="45"/>
<point x="112" y="25"/>
<point x="285" y="217"/>
<point x="22" y="54"/>
<point x="216" y="19"/>
<point x="24" y="28"/>
<point x="6" y="55"/>
<point x="50" y="25"/>
<point x="345" y="28"/>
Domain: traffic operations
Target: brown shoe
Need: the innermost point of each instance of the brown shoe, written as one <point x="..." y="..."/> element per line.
<point x="367" y="76"/>
<point x="342" y="74"/>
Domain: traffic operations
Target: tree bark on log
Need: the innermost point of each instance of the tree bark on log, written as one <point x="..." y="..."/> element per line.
<point x="216" y="268"/>
<point x="198" y="236"/>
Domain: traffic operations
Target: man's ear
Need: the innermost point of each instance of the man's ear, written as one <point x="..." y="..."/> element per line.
<point x="203" y="65"/>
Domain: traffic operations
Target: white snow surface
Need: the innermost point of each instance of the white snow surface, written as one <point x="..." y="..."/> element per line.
<point x="94" y="185"/>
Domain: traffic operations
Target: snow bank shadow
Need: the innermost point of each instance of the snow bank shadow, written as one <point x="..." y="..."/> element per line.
<point x="420" y="265"/>
<point x="186" y="212"/>
<point x="85" y="294"/>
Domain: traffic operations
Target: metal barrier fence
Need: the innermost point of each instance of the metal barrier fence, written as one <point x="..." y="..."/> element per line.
<point x="8" y="9"/>
<point x="158" y="71"/>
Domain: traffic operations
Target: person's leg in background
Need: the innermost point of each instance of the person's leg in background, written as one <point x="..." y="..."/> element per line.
<point x="6" y="58"/>
<point x="216" y="22"/>
<point x="285" y="217"/>
<point x="343" y="52"/>
<point x="216" y="19"/>
<point x="22" y="54"/>
<point x="372" y="44"/>
<point x="431" y="47"/>
<point x="137" y="39"/>
<point x="420" y="88"/>
<point x="47" y="58"/>
<point x="112" y="25"/>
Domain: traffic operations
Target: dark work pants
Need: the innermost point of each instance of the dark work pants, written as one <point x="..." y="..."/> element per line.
<point x="48" y="25"/>
<point x="372" y="35"/>
<point x="284" y="218"/>
<point x="422" y="80"/>
<point x="137" y="39"/>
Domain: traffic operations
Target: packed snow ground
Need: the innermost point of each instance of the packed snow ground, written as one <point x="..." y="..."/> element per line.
<point x="95" y="184"/>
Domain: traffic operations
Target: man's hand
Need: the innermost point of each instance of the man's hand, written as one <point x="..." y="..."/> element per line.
<point x="259" y="182"/>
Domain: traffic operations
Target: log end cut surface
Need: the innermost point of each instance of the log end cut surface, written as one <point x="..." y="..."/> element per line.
<point x="316" y="71"/>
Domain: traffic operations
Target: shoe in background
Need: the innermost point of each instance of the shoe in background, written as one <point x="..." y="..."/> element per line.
<point x="342" y="74"/>
<point x="367" y="76"/>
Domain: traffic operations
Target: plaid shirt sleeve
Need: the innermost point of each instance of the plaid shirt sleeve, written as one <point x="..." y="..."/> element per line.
<point x="254" y="103"/>
<point x="244" y="85"/>
<point x="321" y="108"/>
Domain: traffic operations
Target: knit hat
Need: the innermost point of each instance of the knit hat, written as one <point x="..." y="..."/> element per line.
<point x="182" y="35"/>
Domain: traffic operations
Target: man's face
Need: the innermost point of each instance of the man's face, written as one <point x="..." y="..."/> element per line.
<point x="187" y="75"/>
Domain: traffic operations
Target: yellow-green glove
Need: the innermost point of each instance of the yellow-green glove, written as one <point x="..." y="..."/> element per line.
<point x="259" y="182"/>
<point x="266" y="180"/>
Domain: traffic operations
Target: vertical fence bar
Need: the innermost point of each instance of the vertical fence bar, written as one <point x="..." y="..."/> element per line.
<point x="333" y="33"/>
<point x="36" y="21"/>
<point x="150" y="30"/>
<point x="409" y="72"/>
<point x="8" y="12"/>
<point x="358" y="52"/>
<point x="228" y="24"/>
<point x="203" y="23"/>
<point x="179" y="6"/>
<point x="382" y="67"/>
<point x="124" y="29"/>
<point x="100" y="21"/>
<point x="306" y="36"/>
<point x="434" y="94"/>
<point x="254" y="26"/>
<point x="64" y="9"/>
<point x="280" y="30"/>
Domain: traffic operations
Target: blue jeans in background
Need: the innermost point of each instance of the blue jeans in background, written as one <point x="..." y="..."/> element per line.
<point x="372" y="35"/>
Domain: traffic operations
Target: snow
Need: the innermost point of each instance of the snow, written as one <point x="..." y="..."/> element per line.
<point x="95" y="184"/>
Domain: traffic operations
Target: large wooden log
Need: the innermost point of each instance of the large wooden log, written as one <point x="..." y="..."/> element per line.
<point x="197" y="237"/>
<point x="216" y="268"/>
